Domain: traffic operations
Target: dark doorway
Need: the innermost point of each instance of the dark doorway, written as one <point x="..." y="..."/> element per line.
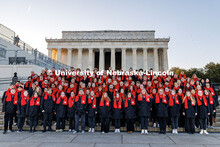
<point x="96" y="60"/>
<point x="107" y="60"/>
<point x="118" y="60"/>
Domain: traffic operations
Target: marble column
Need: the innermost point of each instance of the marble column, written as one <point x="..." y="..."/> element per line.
<point x="134" y="50"/>
<point x="156" y="68"/>
<point x="113" y="58"/>
<point x="165" y="59"/>
<point x="80" y="58"/>
<point x="59" y="54"/>
<point x="123" y="59"/>
<point x="145" y="63"/>
<point x="49" y="52"/>
<point x="90" y="61"/>
<point x="69" y="56"/>
<point x="101" y="59"/>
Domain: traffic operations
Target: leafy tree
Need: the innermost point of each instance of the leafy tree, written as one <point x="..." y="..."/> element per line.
<point x="211" y="71"/>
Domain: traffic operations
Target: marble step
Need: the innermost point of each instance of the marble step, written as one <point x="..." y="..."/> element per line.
<point x="123" y="129"/>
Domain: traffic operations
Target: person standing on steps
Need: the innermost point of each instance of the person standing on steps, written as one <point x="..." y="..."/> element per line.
<point x="174" y="110"/>
<point x="130" y="112"/>
<point x="105" y="112"/>
<point x="21" y="109"/>
<point x="161" y="103"/>
<point x="33" y="109"/>
<point x="190" y="112"/>
<point x="92" y="111"/>
<point x="117" y="114"/>
<point x="80" y="111"/>
<point x="212" y="106"/>
<point x="60" y="109"/>
<point x="71" y="111"/>
<point x="9" y="104"/>
<point x="203" y="111"/>
<point x="144" y="106"/>
<point x="48" y="109"/>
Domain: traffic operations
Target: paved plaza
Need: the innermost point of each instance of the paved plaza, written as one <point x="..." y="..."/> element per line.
<point x="66" y="139"/>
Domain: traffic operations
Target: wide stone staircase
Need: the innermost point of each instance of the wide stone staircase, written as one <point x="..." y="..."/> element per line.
<point x="216" y="126"/>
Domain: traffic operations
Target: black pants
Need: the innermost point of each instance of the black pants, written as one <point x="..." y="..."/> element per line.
<point x="144" y="122"/>
<point x="47" y="120"/>
<point x="91" y="120"/>
<point x="33" y="122"/>
<point x="117" y="123"/>
<point x="8" y="118"/>
<point x="71" y="123"/>
<point x="174" y="122"/>
<point x="210" y="119"/>
<point x="162" y="123"/>
<point x="60" y="123"/>
<point x="130" y="124"/>
<point x="203" y="123"/>
<point x="20" y="123"/>
<point x="105" y="122"/>
<point x="190" y="125"/>
<point x="16" y="119"/>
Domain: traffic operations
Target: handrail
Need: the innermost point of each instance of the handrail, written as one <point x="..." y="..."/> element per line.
<point x="26" y="47"/>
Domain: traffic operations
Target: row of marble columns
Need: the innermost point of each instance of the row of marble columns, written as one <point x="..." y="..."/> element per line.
<point x="123" y="58"/>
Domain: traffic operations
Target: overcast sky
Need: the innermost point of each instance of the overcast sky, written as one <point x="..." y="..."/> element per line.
<point x="192" y="25"/>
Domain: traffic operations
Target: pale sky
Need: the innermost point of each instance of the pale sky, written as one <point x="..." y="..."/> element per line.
<point x="192" y="25"/>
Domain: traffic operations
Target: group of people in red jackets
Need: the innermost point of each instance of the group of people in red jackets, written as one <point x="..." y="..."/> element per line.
<point x="119" y="100"/>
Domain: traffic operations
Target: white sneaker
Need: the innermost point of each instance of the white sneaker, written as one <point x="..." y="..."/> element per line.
<point x="74" y="131"/>
<point x="90" y="130"/>
<point x="116" y="130"/>
<point x="145" y="131"/>
<point x="201" y="132"/>
<point x="142" y="131"/>
<point x="70" y="130"/>
<point x="93" y="130"/>
<point x="158" y="125"/>
<point x="205" y="132"/>
<point x="103" y="132"/>
<point x="173" y="131"/>
<point x="154" y="125"/>
<point x="176" y="131"/>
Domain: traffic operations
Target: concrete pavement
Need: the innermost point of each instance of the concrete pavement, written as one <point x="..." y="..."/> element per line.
<point x="66" y="139"/>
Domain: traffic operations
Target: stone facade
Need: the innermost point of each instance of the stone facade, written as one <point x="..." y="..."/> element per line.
<point x="118" y="49"/>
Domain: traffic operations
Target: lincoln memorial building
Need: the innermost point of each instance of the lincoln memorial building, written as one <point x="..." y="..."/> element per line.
<point x="116" y="49"/>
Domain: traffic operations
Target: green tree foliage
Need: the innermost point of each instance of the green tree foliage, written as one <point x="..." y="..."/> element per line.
<point x="211" y="71"/>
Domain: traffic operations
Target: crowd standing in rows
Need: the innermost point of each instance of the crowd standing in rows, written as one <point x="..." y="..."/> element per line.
<point x="124" y="100"/>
